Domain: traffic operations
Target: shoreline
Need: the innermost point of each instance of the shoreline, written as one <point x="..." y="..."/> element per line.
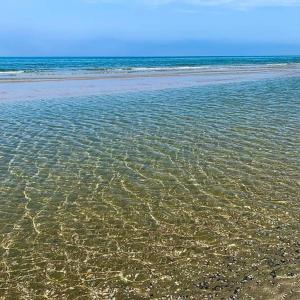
<point x="72" y="86"/>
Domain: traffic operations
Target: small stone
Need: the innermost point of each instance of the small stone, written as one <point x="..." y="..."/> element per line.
<point x="273" y="274"/>
<point x="247" y="278"/>
<point x="203" y="285"/>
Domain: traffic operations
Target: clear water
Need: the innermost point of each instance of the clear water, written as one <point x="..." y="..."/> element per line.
<point x="182" y="193"/>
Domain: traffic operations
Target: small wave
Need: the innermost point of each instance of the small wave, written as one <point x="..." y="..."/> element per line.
<point x="168" y="68"/>
<point x="151" y="69"/>
<point x="278" y="64"/>
<point x="184" y="68"/>
<point x="11" y="72"/>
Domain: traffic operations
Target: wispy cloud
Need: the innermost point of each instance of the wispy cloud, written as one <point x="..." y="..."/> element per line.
<point x="228" y="3"/>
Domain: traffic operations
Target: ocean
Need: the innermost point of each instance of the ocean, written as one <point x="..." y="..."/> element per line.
<point x="180" y="192"/>
<point x="107" y="65"/>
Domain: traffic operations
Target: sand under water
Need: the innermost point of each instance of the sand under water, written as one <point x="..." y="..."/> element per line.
<point x="179" y="189"/>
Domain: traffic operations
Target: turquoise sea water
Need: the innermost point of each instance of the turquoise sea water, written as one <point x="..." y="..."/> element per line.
<point x="132" y="64"/>
<point x="189" y="193"/>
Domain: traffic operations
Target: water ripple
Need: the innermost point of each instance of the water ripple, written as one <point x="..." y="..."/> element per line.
<point x="165" y="194"/>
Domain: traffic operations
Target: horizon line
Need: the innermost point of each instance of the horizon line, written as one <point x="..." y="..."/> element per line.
<point x="144" y="56"/>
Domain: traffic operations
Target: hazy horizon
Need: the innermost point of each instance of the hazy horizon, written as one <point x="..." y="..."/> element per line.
<point x="150" y="28"/>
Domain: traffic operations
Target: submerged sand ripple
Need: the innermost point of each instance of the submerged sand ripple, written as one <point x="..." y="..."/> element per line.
<point x="190" y="193"/>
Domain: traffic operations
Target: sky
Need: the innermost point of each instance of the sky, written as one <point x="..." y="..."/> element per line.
<point x="149" y="27"/>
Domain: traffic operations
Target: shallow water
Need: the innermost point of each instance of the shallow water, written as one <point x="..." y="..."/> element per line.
<point x="168" y="194"/>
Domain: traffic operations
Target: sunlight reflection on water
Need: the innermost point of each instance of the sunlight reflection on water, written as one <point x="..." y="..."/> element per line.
<point x="186" y="193"/>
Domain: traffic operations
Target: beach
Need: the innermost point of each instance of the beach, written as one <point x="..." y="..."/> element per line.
<point x="176" y="180"/>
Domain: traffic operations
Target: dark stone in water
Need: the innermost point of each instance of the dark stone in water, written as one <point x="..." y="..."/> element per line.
<point x="273" y="274"/>
<point x="203" y="285"/>
<point x="247" y="278"/>
<point x="235" y="293"/>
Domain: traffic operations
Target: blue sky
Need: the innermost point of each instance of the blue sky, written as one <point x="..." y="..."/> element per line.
<point x="149" y="27"/>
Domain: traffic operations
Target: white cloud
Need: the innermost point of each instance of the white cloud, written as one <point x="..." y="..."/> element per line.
<point x="230" y="3"/>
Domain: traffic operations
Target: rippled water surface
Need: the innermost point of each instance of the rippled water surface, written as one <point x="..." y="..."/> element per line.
<point x="174" y="194"/>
